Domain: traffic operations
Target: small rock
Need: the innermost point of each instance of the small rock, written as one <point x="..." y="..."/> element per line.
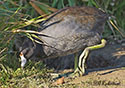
<point x="59" y="81"/>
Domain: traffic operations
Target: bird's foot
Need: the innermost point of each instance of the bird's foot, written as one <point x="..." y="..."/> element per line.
<point x="78" y="72"/>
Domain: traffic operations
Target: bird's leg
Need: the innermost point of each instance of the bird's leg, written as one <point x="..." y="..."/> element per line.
<point x="83" y="56"/>
<point x="84" y="59"/>
<point x="81" y="66"/>
<point x="103" y="42"/>
<point x="76" y="61"/>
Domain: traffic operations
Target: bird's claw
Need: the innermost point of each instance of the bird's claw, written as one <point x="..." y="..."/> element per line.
<point x="78" y="72"/>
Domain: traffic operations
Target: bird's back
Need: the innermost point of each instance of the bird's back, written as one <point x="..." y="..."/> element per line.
<point x="78" y="27"/>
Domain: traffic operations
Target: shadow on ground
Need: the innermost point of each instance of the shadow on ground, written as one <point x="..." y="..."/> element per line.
<point x="109" y="57"/>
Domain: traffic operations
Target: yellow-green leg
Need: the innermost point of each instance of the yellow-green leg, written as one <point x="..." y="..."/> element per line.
<point x="80" y="70"/>
<point x="76" y="61"/>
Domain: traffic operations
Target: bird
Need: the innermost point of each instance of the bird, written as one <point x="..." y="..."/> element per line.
<point x="70" y="30"/>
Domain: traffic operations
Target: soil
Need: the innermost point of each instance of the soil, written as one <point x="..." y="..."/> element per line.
<point x="105" y="68"/>
<point x="111" y="78"/>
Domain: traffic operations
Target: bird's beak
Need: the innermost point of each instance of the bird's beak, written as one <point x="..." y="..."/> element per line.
<point x="23" y="60"/>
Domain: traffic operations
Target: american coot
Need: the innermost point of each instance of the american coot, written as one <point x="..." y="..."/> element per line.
<point x="68" y="31"/>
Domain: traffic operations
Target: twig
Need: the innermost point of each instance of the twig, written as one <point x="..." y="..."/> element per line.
<point x="3" y="50"/>
<point x="116" y="28"/>
<point x="29" y="31"/>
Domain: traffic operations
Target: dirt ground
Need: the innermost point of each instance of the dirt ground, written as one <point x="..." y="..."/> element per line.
<point x="105" y="68"/>
<point x="112" y="78"/>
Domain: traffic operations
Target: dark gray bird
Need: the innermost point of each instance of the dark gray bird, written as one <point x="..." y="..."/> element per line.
<point x="68" y="31"/>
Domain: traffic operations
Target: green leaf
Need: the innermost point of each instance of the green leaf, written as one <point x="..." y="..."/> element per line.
<point x="72" y="2"/>
<point x="90" y="3"/>
<point x="54" y="3"/>
<point x="60" y="4"/>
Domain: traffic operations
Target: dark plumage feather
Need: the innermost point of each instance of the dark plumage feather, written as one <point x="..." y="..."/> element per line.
<point x="71" y="30"/>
